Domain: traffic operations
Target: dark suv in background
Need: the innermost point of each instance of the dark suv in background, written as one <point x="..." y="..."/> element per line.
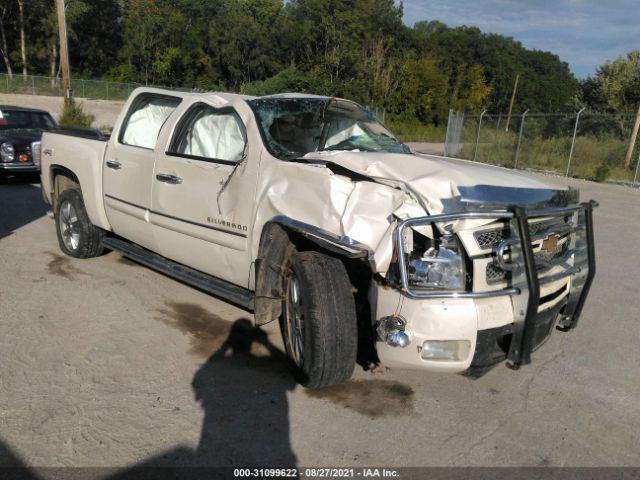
<point x="20" y="133"/>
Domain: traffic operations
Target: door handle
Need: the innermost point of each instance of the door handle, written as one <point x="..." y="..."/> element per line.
<point x="166" y="178"/>
<point x="114" y="164"/>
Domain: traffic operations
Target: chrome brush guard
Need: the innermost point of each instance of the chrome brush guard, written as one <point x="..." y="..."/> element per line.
<point x="515" y="255"/>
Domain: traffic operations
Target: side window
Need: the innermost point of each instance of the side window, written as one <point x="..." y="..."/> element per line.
<point x="145" y="119"/>
<point x="210" y="134"/>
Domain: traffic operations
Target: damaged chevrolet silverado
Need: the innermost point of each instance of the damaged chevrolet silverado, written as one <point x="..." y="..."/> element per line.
<point x="306" y="210"/>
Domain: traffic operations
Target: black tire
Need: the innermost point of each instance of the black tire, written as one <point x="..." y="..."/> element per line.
<point x="77" y="236"/>
<point x="328" y="331"/>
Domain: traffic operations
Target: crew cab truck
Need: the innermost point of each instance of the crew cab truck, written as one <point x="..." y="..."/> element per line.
<point x="306" y="210"/>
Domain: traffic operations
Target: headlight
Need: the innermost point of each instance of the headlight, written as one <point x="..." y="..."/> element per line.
<point x="434" y="263"/>
<point x="7" y="152"/>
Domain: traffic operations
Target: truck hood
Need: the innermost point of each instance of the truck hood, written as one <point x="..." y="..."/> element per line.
<point x="443" y="184"/>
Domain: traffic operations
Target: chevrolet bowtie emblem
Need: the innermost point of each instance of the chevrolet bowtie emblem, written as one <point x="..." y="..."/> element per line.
<point x="550" y="243"/>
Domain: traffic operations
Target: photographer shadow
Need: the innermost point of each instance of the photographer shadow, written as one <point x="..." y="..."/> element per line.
<point x="12" y="466"/>
<point x="243" y="390"/>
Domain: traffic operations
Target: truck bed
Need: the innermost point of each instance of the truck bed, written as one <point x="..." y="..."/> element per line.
<point x="72" y="151"/>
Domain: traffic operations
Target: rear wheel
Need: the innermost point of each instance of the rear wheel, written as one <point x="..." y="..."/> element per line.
<point x="77" y="236"/>
<point x="319" y="320"/>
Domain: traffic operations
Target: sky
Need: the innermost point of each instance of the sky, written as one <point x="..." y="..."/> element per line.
<point x="583" y="33"/>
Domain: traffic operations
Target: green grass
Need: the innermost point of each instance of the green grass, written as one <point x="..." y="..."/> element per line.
<point x="416" y="132"/>
<point x="590" y="158"/>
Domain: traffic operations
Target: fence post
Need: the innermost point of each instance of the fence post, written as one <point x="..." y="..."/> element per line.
<point x="447" y="137"/>
<point x="7" y="77"/>
<point x="635" y="177"/>
<point x="632" y="141"/>
<point x="33" y="85"/>
<point x="475" y="150"/>
<point x="107" y="90"/>
<point x="524" y="115"/>
<point x="573" y="141"/>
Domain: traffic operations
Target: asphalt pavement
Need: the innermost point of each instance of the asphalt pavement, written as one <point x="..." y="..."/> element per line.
<point x="106" y="363"/>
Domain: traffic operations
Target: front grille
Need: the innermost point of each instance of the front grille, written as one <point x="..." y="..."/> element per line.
<point x="543" y="258"/>
<point x="535" y="228"/>
<point x="495" y="274"/>
<point x="492" y="238"/>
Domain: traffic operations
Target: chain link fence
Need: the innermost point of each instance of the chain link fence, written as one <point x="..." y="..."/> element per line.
<point x="579" y="144"/>
<point x="52" y="86"/>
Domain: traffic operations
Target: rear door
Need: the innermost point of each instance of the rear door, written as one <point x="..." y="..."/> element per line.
<point x="203" y="194"/>
<point x="128" y="167"/>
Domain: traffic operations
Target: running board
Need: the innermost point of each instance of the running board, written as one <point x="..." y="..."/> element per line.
<point x="207" y="283"/>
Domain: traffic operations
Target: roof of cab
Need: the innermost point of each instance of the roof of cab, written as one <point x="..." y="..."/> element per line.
<point x="295" y="95"/>
<point x="229" y="97"/>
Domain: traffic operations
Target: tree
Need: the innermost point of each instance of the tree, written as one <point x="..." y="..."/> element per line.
<point x="422" y="92"/>
<point x="43" y="33"/>
<point x="470" y="91"/>
<point x="243" y="38"/>
<point x="546" y="84"/>
<point x="95" y="36"/>
<point x="618" y="82"/>
<point x="3" y="37"/>
<point x="142" y="29"/>
<point x="342" y="41"/>
<point x="359" y="49"/>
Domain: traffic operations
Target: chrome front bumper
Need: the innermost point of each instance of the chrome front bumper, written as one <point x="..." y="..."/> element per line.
<point x="19" y="167"/>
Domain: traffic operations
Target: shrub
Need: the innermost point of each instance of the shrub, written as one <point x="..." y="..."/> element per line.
<point x="74" y="116"/>
<point x="602" y="173"/>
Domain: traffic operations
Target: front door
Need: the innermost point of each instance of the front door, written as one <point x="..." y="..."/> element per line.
<point x="128" y="167"/>
<point x="202" y="196"/>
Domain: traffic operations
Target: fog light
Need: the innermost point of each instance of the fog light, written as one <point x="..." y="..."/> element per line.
<point x="452" y="350"/>
<point x="23" y="158"/>
<point x="392" y="331"/>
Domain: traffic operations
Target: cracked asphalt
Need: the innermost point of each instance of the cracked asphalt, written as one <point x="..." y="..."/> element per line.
<point x="106" y="363"/>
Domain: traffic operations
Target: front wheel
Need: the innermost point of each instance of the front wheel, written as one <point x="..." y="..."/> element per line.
<point x="319" y="320"/>
<point x="77" y="236"/>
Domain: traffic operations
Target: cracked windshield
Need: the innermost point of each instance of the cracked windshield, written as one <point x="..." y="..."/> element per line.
<point x="293" y="127"/>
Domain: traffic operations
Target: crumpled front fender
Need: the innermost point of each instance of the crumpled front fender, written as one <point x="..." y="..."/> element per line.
<point x="353" y="218"/>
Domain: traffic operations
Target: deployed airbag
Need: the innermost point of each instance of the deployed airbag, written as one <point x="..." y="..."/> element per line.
<point x="145" y="123"/>
<point x="215" y="135"/>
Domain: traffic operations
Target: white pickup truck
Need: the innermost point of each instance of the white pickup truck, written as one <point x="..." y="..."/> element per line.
<point x="306" y="210"/>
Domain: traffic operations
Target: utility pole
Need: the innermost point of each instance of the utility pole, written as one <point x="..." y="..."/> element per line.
<point x="23" y="41"/>
<point x="513" y="97"/>
<point x="64" y="51"/>
<point x="632" y="142"/>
